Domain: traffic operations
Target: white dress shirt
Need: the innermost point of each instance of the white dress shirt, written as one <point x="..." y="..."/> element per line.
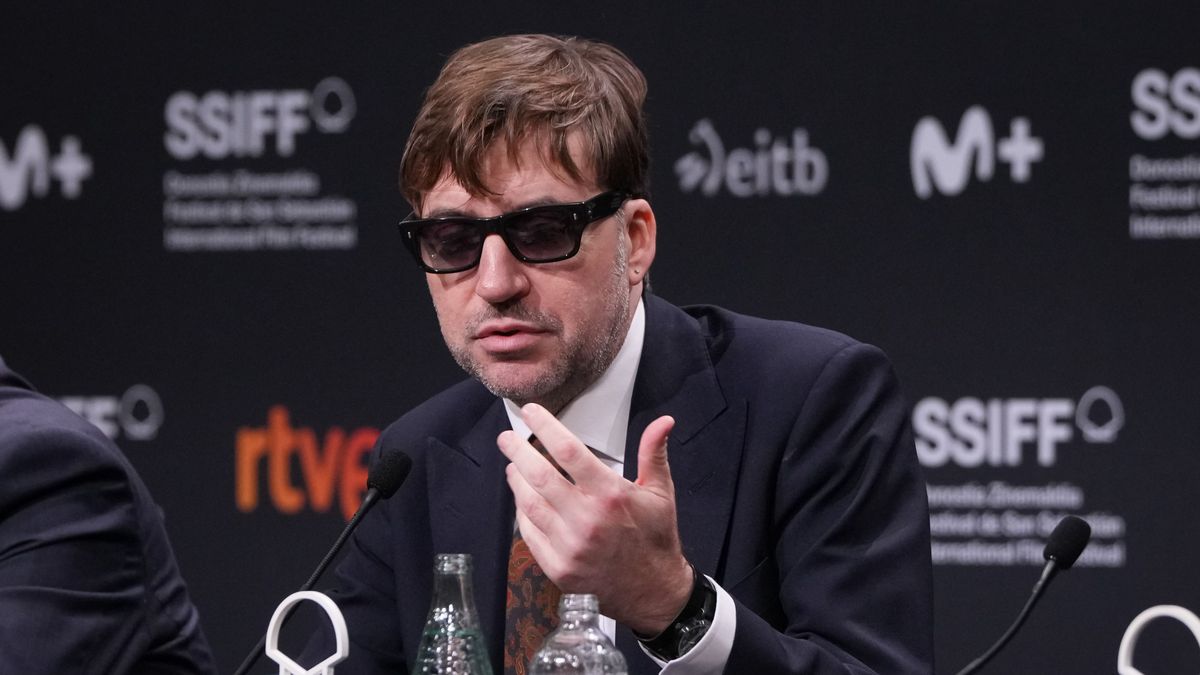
<point x="600" y="418"/>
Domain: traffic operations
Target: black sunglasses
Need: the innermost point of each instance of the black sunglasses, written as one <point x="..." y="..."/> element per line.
<point x="538" y="234"/>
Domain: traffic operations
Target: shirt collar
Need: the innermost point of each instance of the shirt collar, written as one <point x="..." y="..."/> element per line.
<point x="600" y="415"/>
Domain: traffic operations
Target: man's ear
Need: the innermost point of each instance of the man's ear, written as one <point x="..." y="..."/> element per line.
<point x="641" y="229"/>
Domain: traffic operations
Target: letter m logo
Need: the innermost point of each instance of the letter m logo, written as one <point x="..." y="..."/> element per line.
<point x="26" y="170"/>
<point x="935" y="161"/>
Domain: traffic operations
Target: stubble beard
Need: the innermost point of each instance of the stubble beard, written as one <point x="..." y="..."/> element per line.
<point x="582" y="360"/>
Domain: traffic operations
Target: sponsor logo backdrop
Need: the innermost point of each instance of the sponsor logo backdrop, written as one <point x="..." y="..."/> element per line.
<point x="198" y="254"/>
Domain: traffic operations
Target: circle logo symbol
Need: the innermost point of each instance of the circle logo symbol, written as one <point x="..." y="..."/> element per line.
<point x="333" y="105"/>
<point x="1094" y="431"/>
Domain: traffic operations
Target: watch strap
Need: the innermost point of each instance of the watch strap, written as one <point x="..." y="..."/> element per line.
<point x="690" y="625"/>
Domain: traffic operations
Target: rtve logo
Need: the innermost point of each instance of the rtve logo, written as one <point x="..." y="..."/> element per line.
<point x="29" y="168"/>
<point x="972" y="432"/>
<point x="1166" y="104"/>
<point x="222" y="124"/>
<point x="337" y="465"/>
<point x="936" y="162"/>
<point x="782" y="166"/>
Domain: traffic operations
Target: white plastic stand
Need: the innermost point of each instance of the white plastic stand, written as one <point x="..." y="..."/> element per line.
<point x="286" y="665"/>
<point x="1125" y="652"/>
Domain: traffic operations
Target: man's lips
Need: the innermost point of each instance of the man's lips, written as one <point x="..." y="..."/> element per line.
<point x="508" y="336"/>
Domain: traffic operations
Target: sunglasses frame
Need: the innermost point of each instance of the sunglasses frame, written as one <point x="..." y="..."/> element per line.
<point x="578" y="215"/>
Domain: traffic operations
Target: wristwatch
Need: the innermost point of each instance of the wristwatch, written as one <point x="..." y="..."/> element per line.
<point x="691" y="624"/>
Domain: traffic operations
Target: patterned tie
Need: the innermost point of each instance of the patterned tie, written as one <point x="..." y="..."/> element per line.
<point x="531" y="609"/>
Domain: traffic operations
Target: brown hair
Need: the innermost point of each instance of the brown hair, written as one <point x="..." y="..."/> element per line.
<point x="536" y="88"/>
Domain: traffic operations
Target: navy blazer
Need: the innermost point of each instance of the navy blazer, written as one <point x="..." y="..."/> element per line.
<point x="88" y="582"/>
<point x="797" y="489"/>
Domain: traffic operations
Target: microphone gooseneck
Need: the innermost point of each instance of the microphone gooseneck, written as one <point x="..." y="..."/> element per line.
<point x="385" y="478"/>
<point x="382" y="482"/>
<point x="1066" y="542"/>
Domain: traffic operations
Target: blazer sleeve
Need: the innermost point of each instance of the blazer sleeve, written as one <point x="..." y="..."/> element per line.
<point x="851" y="535"/>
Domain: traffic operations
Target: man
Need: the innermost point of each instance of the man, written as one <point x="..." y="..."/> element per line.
<point x="88" y="582"/>
<point x="788" y="532"/>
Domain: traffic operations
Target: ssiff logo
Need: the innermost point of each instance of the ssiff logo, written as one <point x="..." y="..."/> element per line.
<point x="783" y="166"/>
<point x="339" y="464"/>
<point x="220" y="124"/>
<point x="972" y="432"/>
<point x="937" y="162"/>
<point x="28" y="169"/>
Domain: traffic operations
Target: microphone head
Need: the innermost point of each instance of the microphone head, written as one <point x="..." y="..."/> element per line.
<point x="1067" y="541"/>
<point x="389" y="473"/>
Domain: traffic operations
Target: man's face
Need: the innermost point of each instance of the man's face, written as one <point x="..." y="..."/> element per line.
<point x="537" y="332"/>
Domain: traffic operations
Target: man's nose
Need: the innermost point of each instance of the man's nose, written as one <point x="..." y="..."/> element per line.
<point x="501" y="277"/>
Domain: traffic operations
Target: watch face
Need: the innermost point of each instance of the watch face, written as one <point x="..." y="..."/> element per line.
<point x="690" y="634"/>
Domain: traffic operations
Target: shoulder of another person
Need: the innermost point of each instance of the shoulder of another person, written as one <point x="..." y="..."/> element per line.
<point x="38" y="428"/>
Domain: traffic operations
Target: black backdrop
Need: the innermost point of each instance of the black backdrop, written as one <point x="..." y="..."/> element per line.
<point x="197" y="252"/>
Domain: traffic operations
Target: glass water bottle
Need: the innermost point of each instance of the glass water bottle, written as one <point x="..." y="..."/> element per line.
<point x="452" y="643"/>
<point x="578" y="646"/>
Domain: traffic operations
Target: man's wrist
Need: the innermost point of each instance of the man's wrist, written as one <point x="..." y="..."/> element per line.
<point x="689" y="626"/>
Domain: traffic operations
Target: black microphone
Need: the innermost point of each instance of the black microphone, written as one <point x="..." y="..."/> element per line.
<point x="1067" y="541"/>
<point x="383" y="481"/>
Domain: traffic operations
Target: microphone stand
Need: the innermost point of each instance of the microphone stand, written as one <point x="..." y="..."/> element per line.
<point x="369" y="500"/>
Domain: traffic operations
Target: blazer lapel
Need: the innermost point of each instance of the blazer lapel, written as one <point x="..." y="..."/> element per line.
<point x="471" y="511"/>
<point x="676" y="377"/>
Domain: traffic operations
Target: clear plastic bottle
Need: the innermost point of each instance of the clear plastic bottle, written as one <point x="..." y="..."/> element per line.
<point x="578" y="646"/>
<point x="452" y="643"/>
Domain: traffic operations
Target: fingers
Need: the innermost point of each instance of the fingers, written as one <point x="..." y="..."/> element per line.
<point x="532" y="507"/>
<point x="539" y="543"/>
<point x="570" y="453"/>
<point x="653" y="471"/>
<point x="535" y="470"/>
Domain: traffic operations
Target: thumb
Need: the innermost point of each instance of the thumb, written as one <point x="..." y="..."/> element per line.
<point x="653" y="471"/>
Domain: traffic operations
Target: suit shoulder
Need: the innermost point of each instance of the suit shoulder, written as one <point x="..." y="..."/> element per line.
<point x="771" y="343"/>
<point x="444" y="415"/>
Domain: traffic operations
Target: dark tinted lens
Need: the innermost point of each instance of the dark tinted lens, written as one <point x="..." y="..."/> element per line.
<point x="450" y="244"/>
<point x="542" y="234"/>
